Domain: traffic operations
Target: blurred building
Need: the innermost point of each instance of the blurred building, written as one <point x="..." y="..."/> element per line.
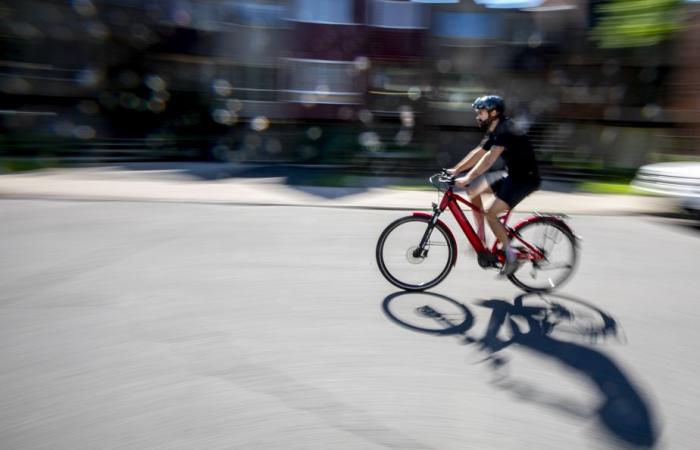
<point x="685" y="86"/>
<point x="381" y="85"/>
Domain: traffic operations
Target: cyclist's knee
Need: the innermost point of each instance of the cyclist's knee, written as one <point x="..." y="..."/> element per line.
<point x="494" y="212"/>
<point x="475" y="192"/>
<point x="490" y="213"/>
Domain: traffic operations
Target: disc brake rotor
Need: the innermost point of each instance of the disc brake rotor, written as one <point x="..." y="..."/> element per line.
<point x="413" y="259"/>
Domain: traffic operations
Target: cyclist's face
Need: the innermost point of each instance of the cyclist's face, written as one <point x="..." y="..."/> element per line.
<point x="483" y="118"/>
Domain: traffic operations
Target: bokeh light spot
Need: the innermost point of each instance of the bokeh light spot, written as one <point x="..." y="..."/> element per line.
<point x="260" y="123"/>
<point x="224" y="116"/>
<point x="365" y="116"/>
<point x="84" y="132"/>
<point x="222" y="88"/>
<point x="369" y="140"/>
<point x="182" y="17"/>
<point x="403" y="137"/>
<point x="84" y="7"/>
<point x="406" y="116"/>
<point x="314" y="133"/>
<point x="155" y="83"/>
<point x="362" y="63"/>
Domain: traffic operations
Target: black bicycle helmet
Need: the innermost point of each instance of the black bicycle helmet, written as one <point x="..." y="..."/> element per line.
<point x="489" y="102"/>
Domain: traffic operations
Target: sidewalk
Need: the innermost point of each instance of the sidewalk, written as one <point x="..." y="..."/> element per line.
<point x="172" y="185"/>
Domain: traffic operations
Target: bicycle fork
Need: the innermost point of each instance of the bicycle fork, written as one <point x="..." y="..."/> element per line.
<point x="422" y="250"/>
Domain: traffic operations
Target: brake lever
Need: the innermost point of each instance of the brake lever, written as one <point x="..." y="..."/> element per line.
<point x="450" y="180"/>
<point x="447" y="177"/>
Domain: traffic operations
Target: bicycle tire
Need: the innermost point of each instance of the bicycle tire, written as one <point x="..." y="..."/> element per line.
<point x="393" y="275"/>
<point x="519" y="277"/>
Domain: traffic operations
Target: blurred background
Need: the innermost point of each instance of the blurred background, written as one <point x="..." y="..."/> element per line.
<point x="363" y="87"/>
<point x="180" y="311"/>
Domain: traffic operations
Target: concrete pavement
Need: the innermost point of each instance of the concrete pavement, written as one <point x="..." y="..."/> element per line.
<point x="178" y="185"/>
<point x="204" y="326"/>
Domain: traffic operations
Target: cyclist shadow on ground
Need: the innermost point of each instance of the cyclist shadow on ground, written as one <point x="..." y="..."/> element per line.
<point x="623" y="412"/>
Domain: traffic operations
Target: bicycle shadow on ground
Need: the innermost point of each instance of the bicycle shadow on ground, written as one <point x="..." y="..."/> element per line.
<point x="548" y="325"/>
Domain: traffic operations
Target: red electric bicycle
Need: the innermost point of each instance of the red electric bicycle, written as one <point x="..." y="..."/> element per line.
<point x="417" y="252"/>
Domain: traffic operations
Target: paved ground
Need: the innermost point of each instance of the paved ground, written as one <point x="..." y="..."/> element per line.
<point x="162" y="325"/>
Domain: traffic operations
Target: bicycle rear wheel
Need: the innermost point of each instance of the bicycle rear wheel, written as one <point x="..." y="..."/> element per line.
<point x="400" y="260"/>
<point x="560" y="249"/>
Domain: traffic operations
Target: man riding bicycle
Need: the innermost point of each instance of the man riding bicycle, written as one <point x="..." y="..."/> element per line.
<point x="502" y="138"/>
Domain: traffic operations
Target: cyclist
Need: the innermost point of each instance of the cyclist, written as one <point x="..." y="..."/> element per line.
<point x="502" y="138"/>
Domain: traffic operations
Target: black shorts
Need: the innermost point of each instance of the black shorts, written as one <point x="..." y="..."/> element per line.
<point x="514" y="191"/>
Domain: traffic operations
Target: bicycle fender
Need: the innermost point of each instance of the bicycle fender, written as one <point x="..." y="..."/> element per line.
<point x="558" y="219"/>
<point x="447" y="230"/>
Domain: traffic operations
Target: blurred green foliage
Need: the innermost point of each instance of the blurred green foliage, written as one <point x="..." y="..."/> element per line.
<point x="637" y="23"/>
<point x="597" y="187"/>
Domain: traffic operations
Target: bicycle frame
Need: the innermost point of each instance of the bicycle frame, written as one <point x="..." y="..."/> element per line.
<point x="451" y="201"/>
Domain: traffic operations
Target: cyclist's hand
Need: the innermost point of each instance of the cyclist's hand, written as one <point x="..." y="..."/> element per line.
<point x="447" y="175"/>
<point x="462" y="182"/>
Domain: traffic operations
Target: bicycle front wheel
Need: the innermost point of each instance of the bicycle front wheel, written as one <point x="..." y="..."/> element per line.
<point x="402" y="262"/>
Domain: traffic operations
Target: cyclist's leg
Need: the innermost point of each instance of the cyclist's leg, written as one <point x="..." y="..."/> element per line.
<point x="487" y="183"/>
<point x="497" y="208"/>
<point x="508" y="195"/>
<point x="474" y="192"/>
<point x="479" y="218"/>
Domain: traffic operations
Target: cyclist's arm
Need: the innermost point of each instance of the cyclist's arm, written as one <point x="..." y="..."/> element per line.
<point x="472" y="158"/>
<point x="484" y="164"/>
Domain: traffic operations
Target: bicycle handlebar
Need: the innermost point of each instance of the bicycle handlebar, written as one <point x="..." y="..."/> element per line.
<point x="443" y="181"/>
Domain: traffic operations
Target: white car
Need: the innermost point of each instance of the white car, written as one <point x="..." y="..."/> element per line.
<point x="678" y="180"/>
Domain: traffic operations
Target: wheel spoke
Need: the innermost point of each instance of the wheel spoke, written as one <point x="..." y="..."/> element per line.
<point x="551" y="266"/>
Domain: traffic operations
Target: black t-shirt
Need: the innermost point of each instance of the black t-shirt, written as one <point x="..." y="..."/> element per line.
<point x="517" y="154"/>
